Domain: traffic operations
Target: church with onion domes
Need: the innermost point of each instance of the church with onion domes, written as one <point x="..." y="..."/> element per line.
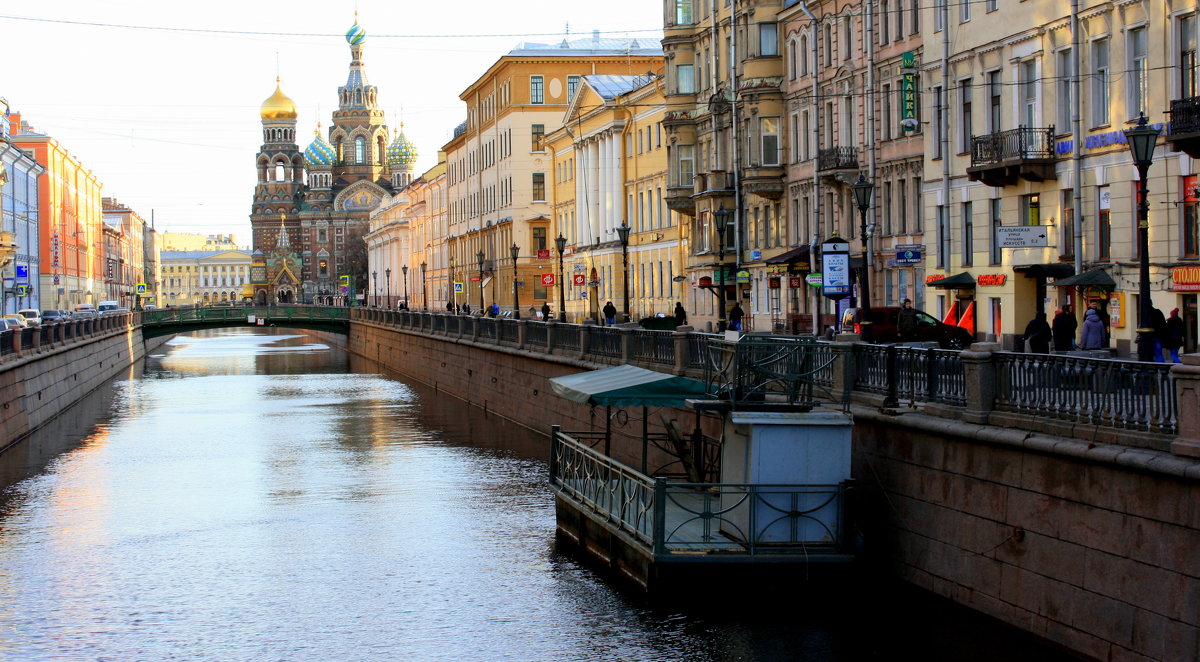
<point x="316" y="203"/>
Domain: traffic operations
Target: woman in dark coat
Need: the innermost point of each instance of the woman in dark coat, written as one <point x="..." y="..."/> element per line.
<point x="1038" y="334"/>
<point x="680" y="314"/>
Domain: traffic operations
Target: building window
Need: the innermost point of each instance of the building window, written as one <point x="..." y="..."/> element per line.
<point x="1187" y="57"/>
<point x="885" y="207"/>
<point x="1031" y="209"/>
<point x="996" y="256"/>
<point x="685" y="81"/>
<point x="968" y="237"/>
<point x="886" y="102"/>
<point x="683" y="12"/>
<point x="914" y="12"/>
<point x="884" y="22"/>
<point x="964" y="12"/>
<point x="769" y="132"/>
<point x="1029" y="94"/>
<point x="685" y="164"/>
<point x="964" y="108"/>
<point x="902" y="207"/>
<point x="1103" y="225"/>
<point x="768" y="39"/>
<point x="918" y="225"/>
<point x="539" y="239"/>
<point x="1100" y="82"/>
<point x="847" y="37"/>
<point x="572" y="85"/>
<point x="536" y="90"/>
<point x="937" y="122"/>
<point x="538" y="132"/>
<point x="827" y="45"/>
<point x="1191" y="220"/>
<point x="802" y="56"/>
<point x="539" y="187"/>
<point x="1138" y="76"/>
<point x="899" y="18"/>
<point x="939" y="15"/>
<point x="1066" y="245"/>
<point x="1062" y="96"/>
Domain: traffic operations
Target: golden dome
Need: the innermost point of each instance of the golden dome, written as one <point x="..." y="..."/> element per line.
<point x="278" y="106"/>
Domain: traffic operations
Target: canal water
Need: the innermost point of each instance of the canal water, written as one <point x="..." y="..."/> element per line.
<point x="247" y="495"/>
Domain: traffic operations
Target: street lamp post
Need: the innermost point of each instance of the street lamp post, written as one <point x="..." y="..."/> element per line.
<point x="375" y="284"/>
<point x="404" y="273"/>
<point x="1141" y="141"/>
<point x="424" y="300"/>
<point x="623" y="235"/>
<point x="515" y="252"/>
<point x="479" y="256"/>
<point x="722" y="220"/>
<point x="863" y="190"/>
<point x="452" y="295"/>
<point x="560" y="242"/>
<point x="387" y="274"/>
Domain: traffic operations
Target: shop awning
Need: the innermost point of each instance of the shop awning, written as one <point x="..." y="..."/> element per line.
<point x="1054" y="270"/>
<point x="957" y="281"/>
<point x="797" y="254"/>
<point x="1089" y="278"/>
<point x="628" y="385"/>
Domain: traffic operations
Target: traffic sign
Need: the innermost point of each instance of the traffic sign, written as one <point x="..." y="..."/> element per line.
<point x="141" y="288"/>
<point x="458" y="288"/>
<point x="548" y="280"/>
<point x="1022" y="236"/>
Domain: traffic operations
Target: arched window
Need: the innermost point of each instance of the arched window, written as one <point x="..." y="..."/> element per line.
<point x="380" y="150"/>
<point x="337" y="143"/>
<point x="279" y="172"/>
<point x="360" y="150"/>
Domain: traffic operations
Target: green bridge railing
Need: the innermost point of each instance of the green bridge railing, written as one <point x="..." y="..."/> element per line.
<point x="241" y="314"/>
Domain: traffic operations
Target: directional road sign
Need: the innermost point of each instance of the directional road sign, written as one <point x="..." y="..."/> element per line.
<point x="1022" y="236"/>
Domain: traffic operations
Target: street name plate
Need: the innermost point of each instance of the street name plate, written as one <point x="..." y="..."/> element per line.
<point x="1022" y="236"/>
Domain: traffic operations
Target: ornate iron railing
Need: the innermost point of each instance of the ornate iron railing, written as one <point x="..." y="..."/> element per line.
<point x="925" y="375"/>
<point x="653" y="346"/>
<point x="537" y="334"/>
<point x="1185" y="116"/>
<point x="506" y="331"/>
<point x="837" y="158"/>
<point x="1128" y="395"/>
<point x="240" y="313"/>
<point x="1018" y="144"/>
<point x="605" y="341"/>
<point x="486" y="328"/>
<point x="766" y="368"/>
<point x="566" y="337"/>
<point x="622" y="496"/>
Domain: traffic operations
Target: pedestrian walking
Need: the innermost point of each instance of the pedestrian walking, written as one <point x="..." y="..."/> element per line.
<point x="1063" y="329"/>
<point x="1038" y="334"/>
<point x="1173" y="339"/>
<point x="493" y="310"/>
<point x="1158" y="322"/>
<point x="466" y="308"/>
<point x="906" y="321"/>
<point x="735" y="316"/>
<point x="680" y="314"/>
<point x="450" y="307"/>
<point x="610" y="314"/>
<point x="1092" y="336"/>
<point x="546" y="312"/>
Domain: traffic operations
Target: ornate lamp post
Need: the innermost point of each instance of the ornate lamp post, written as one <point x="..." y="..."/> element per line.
<point x="375" y="283"/>
<point x="560" y="242"/>
<point x="424" y="300"/>
<point x="404" y="272"/>
<point x="863" y="190"/>
<point x="387" y="273"/>
<point x="479" y="256"/>
<point x="721" y="217"/>
<point x="623" y="235"/>
<point x="451" y="295"/>
<point x="515" y="252"/>
<point x="1141" y="141"/>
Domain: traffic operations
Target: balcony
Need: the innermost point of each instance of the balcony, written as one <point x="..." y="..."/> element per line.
<point x="765" y="181"/>
<point x="1006" y="157"/>
<point x="679" y="198"/>
<point x="1183" y="133"/>
<point x="838" y="163"/>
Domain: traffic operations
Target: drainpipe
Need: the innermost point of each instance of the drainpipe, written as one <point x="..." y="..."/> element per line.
<point x="734" y="120"/>
<point x="816" y="232"/>
<point x="943" y="221"/>
<point x="872" y="145"/>
<point x="1077" y="139"/>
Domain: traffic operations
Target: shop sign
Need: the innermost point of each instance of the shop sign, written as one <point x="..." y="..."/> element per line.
<point x="1186" y="279"/>
<point x="932" y="277"/>
<point x="543" y="254"/>
<point x="578" y="279"/>
<point x="796" y="281"/>
<point x="909" y="254"/>
<point x="811" y="279"/>
<point x="1116" y="309"/>
<point x="743" y="276"/>
<point x="772" y="283"/>
<point x="991" y="280"/>
<point x="908" y="92"/>
<point x="1191" y="189"/>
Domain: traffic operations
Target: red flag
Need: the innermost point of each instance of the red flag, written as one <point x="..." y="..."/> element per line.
<point x="968" y="319"/>
<point x="951" y="317"/>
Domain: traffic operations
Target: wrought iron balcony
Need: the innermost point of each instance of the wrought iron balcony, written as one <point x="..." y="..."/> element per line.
<point x="837" y="158"/>
<point x="1004" y="157"/>
<point x="1183" y="134"/>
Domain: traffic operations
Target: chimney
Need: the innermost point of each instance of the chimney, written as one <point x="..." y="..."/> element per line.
<point x="596" y="38"/>
<point x="12" y="123"/>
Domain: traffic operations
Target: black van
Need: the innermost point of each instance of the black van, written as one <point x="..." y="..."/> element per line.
<point x="929" y="328"/>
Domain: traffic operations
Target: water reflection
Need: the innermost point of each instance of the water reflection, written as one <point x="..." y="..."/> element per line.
<point x="252" y="498"/>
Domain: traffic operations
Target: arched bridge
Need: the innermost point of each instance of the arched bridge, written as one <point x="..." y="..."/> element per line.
<point x="180" y="320"/>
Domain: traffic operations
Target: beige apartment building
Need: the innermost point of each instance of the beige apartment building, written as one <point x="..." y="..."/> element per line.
<point x="498" y="169"/>
<point x="610" y="173"/>
<point x="406" y="246"/>
<point x="124" y="234"/>
<point x="1020" y="196"/>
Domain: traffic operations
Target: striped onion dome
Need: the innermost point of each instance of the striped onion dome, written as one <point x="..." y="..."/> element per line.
<point x="401" y="153"/>
<point x="356" y="34"/>
<point x="320" y="152"/>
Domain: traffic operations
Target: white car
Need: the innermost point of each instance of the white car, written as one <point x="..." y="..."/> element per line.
<point x="31" y="315"/>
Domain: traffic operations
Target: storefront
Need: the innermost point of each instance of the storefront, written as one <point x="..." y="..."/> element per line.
<point x="1185" y="282"/>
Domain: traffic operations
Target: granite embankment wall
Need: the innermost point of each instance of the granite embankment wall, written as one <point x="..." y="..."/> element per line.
<point x="1093" y="546"/>
<point x="40" y="383"/>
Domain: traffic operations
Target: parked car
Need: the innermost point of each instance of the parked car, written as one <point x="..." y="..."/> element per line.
<point x="929" y="328"/>
<point x="20" y="319"/>
<point x="149" y="306"/>
<point x="107" y="306"/>
<point x="55" y="315"/>
<point x="7" y="323"/>
<point x="83" y="308"/>
<point x="31" y="315"/>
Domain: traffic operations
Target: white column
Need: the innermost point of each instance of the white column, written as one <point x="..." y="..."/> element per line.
<point x="594" y="197"/>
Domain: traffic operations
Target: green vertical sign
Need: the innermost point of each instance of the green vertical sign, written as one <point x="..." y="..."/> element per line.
<point x="908" y="92"/>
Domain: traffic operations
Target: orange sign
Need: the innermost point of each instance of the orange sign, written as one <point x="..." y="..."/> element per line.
<point x="1186" y="279"/>
<point x="991" y="279"/>
<point x="1191" y="189"/>
<point x="932" y="277"/>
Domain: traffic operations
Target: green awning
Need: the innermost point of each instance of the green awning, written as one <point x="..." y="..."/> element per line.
<point x="963" y="280"/>
<point x="1089" y="278"/>
<point x="628" y="385"/>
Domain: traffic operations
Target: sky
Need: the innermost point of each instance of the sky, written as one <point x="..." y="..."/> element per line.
<point x="161" y="99"/>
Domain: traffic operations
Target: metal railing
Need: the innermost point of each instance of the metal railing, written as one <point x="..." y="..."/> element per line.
<point x="1128" y="395"/>
<point x="1185" y="116"/>
<point x="506" y="331"/>
<point x="605" y="341"/>
<point x="240" y="313"/>
<point x="837" y="158"/>
<point x="566" y="337"/>
<point x="677" y="518"/>
<point x="653" y="346"/>
<point x="537" y="334"/>
<point x="1018" y="144"/>
<point x="921" y="375"/>
<point x="766" y="368"/>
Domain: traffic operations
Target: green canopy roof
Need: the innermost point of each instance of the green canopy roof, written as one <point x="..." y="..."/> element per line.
<point x="1089" y="278"/>
<point x="962" y="280"/>
<point x="628" y="385"/>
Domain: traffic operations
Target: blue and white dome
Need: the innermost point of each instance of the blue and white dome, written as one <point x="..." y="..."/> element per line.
<point x="356" y="34"/>
<point x="401" y="154"/>
<point x="320" y="152"/>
